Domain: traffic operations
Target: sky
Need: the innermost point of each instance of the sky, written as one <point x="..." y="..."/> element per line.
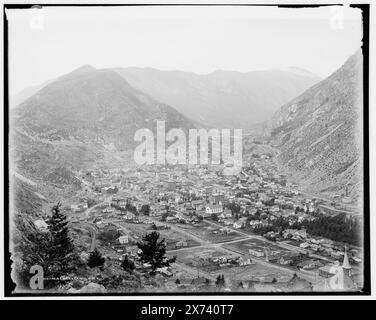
<point x="46" y="43"/>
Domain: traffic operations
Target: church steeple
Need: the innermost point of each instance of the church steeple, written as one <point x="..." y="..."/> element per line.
<point x="346" y="264"/>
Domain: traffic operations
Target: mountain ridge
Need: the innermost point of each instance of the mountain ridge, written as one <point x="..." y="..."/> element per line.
<point x="69" y="124"/>
<point x="221" y="98"/>
<point x="207" y="98"/>
<point x="319" y="133"/>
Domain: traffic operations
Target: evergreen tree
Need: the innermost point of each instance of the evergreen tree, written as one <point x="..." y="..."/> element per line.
<point x="145" y="209"/>
<point x="153" y="251"/>
<point x="62" y="250"/>
<point x="95" y="259"/>
<point x="127" y="264"/>
<point x="220" y="281"/>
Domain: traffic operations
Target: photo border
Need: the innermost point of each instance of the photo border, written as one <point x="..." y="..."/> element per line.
<point x="9" y="285"/>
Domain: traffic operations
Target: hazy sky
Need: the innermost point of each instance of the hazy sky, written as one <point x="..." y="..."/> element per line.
<point x="45" y="43"/>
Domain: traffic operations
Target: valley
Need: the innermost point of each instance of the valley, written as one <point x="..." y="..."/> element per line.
<point x="233" y="241"/>
<point x="289" y="221"/>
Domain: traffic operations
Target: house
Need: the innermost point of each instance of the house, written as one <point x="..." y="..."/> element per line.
<point x="274" y="209"/>
<point x="197" y="203"/>
<point x="216" y="199"/>
<point x="227" y="213"/>
<point x="285" y="260"/>
<point x="328" y="271"/>
<point x="240" y="223"/>
<point x="336" y="254"/>
<point x="216" y="209"/>
<point x="84" y="204"/>
<point x="111" y="190"/>
<point x="108" y="210"/>
<point x="181" y="243"/>
<point x="129" y="216"/>
<point x="123" y="239"/>
<point x="122" y="202"/>
<point x="76" y="207"/>
<point x="41" y="225"/>
<point x="256" y="252"/>
<point x="228" y="222"/>
<point x="154" y="213"/>
<point x="244" y="261"/>
<point x="254" y="223"/>
<point x="356" y="259"/>
<point x="170" y="185"/>
<point x="171" y="219"/>
<point x="304" y="245"/>
<point x="180" y="216"/>
<point x="162" y="210"/>
<point x="259" y="204"/>
<point x="272" y="257"/>
<point x="302" y="216"/>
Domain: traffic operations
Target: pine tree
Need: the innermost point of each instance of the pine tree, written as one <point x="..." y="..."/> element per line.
<point x="128" y="264"/>
<point x="62" y="250"/>
<point x="220" y="281"/>
<point x="95" y="259"/>
<point x="145" y="209"/>
<point x="153" y="252"/>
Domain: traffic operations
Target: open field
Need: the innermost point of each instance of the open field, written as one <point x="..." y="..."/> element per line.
<point x="138" y="230"/>
<point x="199" y="259"/>
<point x="210" y="233"/>
<point x="256" y="272"/>
<point x="244" y="246"/>
<point x="172" y="237"/>
<point x="195" y="255"/>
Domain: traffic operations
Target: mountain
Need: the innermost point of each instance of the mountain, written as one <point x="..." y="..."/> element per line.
<point x="26" y="198"/>
<point x="222" y="98"/>
<point x="319" y="133"/>
<point x="83" y="118"/>
<point x="92" y="105"/>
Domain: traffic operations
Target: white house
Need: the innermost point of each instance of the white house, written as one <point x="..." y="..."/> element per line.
<point x="129" y="216"/>
<point x="257" y="252"/>
<point x="123" y="239"/>
<point x="217" y="209"/>
<point x="41" y="225"/>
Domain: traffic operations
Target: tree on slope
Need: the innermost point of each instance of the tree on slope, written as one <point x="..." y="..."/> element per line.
<point x="153" y="251"/>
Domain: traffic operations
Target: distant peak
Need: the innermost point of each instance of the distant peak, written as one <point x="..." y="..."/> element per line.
<point x="84" y="68"/>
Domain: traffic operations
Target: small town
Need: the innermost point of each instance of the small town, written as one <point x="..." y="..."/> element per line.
<point x="256" y="229"/>
<point x="187" y="150"/>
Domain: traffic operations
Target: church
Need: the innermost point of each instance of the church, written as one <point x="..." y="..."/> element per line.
<point x="341" y="280"/>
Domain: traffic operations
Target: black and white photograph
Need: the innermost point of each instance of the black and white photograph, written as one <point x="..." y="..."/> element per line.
<point x="165" y="149"/>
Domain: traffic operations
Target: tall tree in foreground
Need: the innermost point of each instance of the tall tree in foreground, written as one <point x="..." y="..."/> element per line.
<point x="62" y="250"/>
<point x="153" y="251"/>
<point x="52" y="249"/>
